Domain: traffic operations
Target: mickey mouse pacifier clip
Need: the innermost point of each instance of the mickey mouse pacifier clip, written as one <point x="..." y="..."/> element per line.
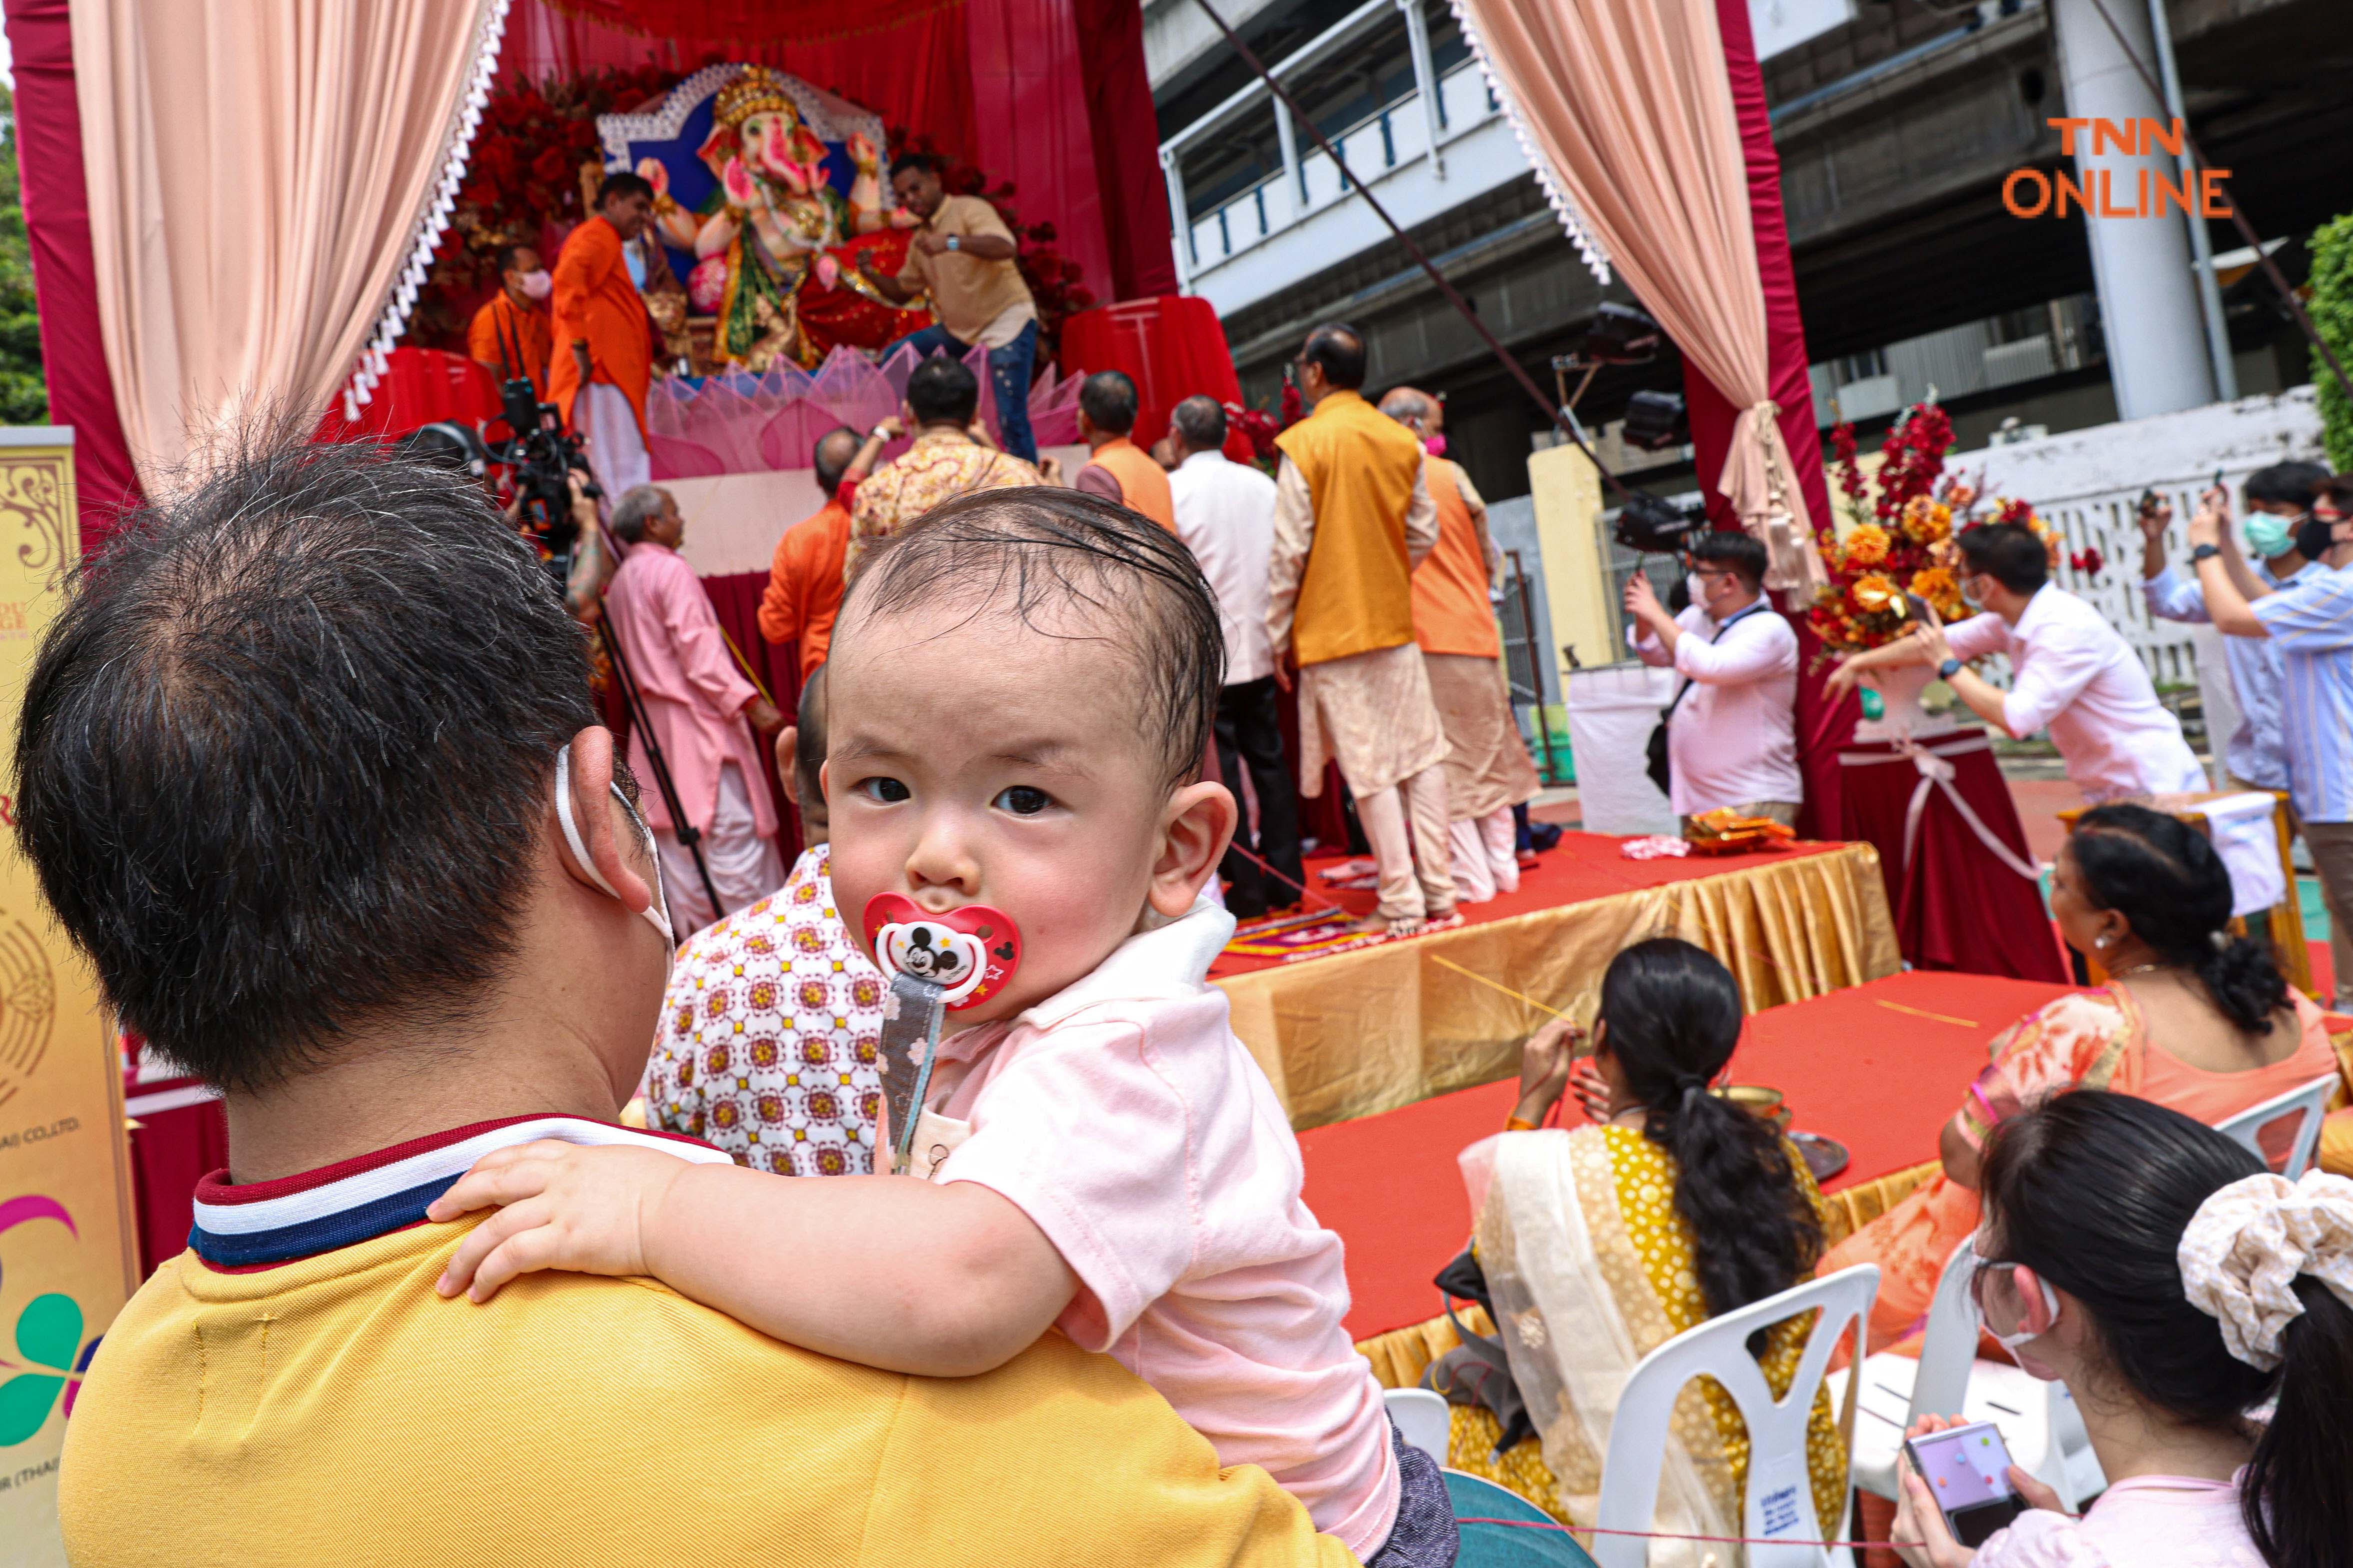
<point x="935" y="964"/>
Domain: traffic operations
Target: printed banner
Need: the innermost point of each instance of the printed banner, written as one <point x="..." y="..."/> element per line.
<point x="66" y="1258"/>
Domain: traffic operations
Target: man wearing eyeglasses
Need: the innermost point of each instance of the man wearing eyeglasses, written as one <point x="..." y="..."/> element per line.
<point x="1353" y="518"/>
<point x="1732" y="734"/>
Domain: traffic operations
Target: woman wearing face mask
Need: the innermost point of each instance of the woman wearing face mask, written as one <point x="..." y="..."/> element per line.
<point x="2191" y="1017"/>
<point x="512" y="333"/>
<point x="2310" y="622"/>
<point x="2150" y="1265"/>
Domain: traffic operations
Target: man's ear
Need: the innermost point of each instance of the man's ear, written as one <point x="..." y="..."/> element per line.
<point x="1195" y="830"/>
<point x="600" y="820"/>
<point x="788" y="772"/>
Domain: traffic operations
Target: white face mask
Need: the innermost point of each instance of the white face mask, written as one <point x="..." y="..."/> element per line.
<point x="538" y="285"/>
<point x="657" y="913"/>
<point x="1696" y="586"/>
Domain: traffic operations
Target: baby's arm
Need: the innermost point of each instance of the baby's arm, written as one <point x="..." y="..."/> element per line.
<point x="943" y="1281"/>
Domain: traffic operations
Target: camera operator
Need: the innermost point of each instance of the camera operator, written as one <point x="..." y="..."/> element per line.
<point x="1732" y="731"/>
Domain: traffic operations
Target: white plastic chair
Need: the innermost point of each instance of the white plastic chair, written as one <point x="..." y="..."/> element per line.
<point x="2310" y="1103"/>
<point x="2039" y="1422"/>
<point x="1780" y="1492"/>
<point x="1423" y="1419"/>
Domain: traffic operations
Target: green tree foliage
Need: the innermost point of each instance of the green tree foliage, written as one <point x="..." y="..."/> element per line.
<point x="2332" y="313"/>
<point x="24" y="388"/>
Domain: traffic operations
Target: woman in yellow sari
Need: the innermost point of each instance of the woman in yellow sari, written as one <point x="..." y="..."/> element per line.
<point x="1600" y="1244"/>
<point x="2191" y="1017"/>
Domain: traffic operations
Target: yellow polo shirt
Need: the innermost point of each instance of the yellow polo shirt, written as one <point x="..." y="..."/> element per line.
<point x="334" y="1409"/>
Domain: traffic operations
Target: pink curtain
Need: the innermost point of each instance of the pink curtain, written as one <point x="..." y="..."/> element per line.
<point x="1628" y="112"/>
<point x="261" y="173"/>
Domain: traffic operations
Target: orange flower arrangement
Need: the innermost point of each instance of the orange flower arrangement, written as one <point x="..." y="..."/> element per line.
<point x="1943" y="592"/>
<point x="1867" y="545"/>
<point x="1925" y="520"/>
<point x="1901" y="551"/>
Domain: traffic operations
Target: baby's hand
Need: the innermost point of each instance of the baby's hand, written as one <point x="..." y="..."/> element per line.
<point x="564" y="1208"/>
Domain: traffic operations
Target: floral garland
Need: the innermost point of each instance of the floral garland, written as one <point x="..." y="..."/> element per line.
<point x="1904" y="549"/>
<point x="525" y="175"/>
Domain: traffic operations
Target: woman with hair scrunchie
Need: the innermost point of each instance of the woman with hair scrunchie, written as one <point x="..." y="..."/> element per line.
<point x="2152" y="1266"/>
<point x="2191" y="1017"/>
<point x="1597" y="1246"/>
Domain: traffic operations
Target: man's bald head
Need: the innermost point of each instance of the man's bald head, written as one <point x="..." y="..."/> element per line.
<point x="1411" y="405"/>
<point x="836" y="450"/>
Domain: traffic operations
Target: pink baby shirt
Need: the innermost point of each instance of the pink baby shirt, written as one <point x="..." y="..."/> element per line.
<point x="1126" y="1120"/>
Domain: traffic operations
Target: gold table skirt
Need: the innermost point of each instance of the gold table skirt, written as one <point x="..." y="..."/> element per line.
<point x="1369" y="1031"/>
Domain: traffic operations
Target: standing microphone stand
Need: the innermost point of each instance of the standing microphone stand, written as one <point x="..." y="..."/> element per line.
<point x="688" y="834"/>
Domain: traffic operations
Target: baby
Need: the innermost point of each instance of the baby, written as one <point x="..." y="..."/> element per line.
<point x="1022" y="688"/>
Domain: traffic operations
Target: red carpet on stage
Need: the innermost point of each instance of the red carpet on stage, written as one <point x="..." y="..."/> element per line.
<point x="1583" y="865"/>
<point x="1879" y="1066"/>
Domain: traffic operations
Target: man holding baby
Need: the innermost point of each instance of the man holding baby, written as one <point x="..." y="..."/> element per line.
<point x="366" y="862"/>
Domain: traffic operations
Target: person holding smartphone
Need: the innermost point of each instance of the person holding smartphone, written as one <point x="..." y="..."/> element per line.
<point x="2175" y="1286"/>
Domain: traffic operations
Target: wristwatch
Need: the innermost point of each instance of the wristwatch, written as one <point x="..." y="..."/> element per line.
<point x="1949" y="669"/>
<point x="955" y="242"/>
<point x="2205" y="552"/>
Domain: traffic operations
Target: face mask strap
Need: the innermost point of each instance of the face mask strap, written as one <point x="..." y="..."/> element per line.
<point x="656" y="915"/>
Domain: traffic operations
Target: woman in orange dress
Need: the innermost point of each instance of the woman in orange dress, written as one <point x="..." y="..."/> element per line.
<point x="2191" y="1017"/>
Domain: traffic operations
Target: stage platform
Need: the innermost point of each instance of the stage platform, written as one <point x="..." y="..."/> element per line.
<point x="1358" y="1033"/>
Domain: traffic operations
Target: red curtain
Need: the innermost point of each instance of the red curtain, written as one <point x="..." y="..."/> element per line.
<point x="1126" y="147"/>
<point x="722" y="22"/>
<point x="914" y="71"/>
<point x="736" y="600"/>
<point x="1824" y="726"/>
<point x="1171" y="347"/>
<point x="57" y="214"/>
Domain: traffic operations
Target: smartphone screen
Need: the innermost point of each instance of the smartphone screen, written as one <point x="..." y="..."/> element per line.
<point x="1967" y="1470"/>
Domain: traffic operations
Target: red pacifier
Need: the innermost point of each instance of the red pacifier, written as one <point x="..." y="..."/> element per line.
<point x="969" y="952"/>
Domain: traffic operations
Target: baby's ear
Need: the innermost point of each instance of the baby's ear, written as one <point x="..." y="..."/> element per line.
<point x="1195" y="830"/>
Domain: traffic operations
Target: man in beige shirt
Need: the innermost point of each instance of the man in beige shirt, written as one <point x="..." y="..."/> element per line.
<point x="963" y="256"/>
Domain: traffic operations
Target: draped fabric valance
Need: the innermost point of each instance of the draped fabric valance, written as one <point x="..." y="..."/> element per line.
<point x="266" y="179"/>
<point x="1629" y="112"/>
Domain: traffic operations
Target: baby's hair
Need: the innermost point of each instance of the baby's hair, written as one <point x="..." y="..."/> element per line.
<point x="1041" y="546"/>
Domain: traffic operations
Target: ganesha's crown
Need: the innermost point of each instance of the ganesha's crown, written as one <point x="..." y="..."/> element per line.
<point x="758" y="90"/>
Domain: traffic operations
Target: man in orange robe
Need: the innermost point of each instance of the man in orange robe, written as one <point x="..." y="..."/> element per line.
<point x="1488" y="771"/>
<point x="511" y="332"/>
<point x="1353" y="517"/>
<point x="1119" y="469"/>
<point x="604" y="340"/>
<point x="804" y="580"/>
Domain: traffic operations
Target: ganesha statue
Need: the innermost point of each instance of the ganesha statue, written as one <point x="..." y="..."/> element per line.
<point x="776" y="238"/>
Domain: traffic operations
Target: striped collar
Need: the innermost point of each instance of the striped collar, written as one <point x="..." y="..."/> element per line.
<point x="356" y="1200"/>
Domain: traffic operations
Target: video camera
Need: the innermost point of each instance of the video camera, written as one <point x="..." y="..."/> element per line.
<point x="1649" y="525"/>
<point x="542" y="459"/>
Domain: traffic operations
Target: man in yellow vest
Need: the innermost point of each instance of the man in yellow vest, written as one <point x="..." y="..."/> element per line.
<point x="392" y="971"/>
<point x="1119" y="469"/>
<point x="1353" y="517"/>
<point x="1487" y="767"/>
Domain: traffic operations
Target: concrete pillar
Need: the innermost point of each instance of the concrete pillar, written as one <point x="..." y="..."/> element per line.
<point x="2148" y="292"/>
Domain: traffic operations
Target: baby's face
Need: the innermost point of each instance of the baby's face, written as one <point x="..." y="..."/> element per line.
<point x="974" y="759"/>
